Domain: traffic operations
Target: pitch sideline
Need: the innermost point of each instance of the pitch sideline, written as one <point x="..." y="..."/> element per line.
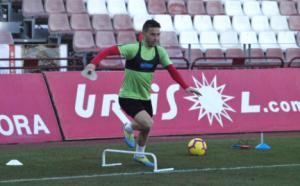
<point x="148" y="172"/>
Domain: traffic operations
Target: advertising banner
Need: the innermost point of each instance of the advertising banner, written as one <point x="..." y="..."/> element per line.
<point x="232" y="101"/>
<point x="26" y="113"/>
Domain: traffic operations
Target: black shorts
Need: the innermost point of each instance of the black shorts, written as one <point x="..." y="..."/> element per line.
<point x="134" y="106"/>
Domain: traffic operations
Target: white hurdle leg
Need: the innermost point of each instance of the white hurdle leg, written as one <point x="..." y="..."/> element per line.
<point x="105" y="164"/>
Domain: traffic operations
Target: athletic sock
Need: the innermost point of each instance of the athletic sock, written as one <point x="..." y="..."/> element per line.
<point x="140" y="149"/>
<point x="128" y="127"/>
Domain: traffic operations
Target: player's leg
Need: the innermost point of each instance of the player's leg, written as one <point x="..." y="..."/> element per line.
<point x="144" y="121"/>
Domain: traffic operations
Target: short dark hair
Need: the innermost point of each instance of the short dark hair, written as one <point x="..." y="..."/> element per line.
<point x="150" y="24"/>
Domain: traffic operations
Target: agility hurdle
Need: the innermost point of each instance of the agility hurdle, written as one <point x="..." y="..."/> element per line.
<point x="105" y="164"/>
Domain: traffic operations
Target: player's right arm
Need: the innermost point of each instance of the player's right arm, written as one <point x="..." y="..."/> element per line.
<point x="111" y="51"/>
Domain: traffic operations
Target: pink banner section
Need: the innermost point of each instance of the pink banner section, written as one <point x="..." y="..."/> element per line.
<point x="232" y="101"/>
<point x="26" y="113"/>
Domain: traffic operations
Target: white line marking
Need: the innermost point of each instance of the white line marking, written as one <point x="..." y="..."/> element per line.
<point x="150" y="172"/>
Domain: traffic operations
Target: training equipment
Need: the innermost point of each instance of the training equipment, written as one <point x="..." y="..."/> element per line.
<point x="197" y="147"/>
<point x="156" y="170"/>
<point x="262" y="145"/>
<point x="14" y="162"/>
<point x="88" y="73"/>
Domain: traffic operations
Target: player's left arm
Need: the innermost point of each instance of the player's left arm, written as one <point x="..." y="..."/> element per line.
<point x="166" y="62"/>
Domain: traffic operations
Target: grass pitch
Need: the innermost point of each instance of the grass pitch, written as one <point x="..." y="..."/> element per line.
<point x="78" y="163"/>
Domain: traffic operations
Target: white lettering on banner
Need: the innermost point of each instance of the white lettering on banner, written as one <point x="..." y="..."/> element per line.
<point x="20" y="123"/>
<point x="110" y="102"/>
<point x="79" y="102"/>
<point x="154" y="97"/>
<point x="171" y="100"/>
<point x="246" y="107"/>
<point x="273" y="106"/>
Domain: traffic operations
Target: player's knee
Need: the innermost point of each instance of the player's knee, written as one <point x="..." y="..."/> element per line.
<point x="147" y="125"/>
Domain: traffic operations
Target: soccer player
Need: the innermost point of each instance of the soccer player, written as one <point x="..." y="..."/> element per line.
<point x="134" y="96"/>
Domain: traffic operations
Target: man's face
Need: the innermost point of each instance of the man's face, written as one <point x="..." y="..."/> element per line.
<point x="151" y="36"/>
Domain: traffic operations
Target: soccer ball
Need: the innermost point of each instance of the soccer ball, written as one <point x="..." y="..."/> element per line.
<point x="197" y="147"/>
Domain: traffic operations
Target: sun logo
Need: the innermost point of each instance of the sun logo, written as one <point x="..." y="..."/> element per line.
<point x="212" y="102"/>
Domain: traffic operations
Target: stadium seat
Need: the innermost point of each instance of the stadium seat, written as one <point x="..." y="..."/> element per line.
<point x="293" y="54"/>
<point x="270" y="8"/>
<point x="6" y="38"/>
<point x="80" y="22"/>
<point x="241" y="23"/>
<point x="116" y="7"/>
<point x="249" y="37"/>
<point x="59" y="23"/>
<point x="267" y="39"/>
<point x="137" y="7"/>
<point x="233" y="8"/>
<point x="176" y="7"/>
<point x="274" y="52"/>
<point x="193" y="55"/>
<point x="234" y="53"/>
<point x="54" y="6"/>
<point x="287" y="8"/>
<point x="215" y="53"/>
<point x="189" y="37"/>
<point x="124" y="37"/>
<point x="229" y="39"/>
<point x="286" y="39"/>
<point x="294" y="23"/>
<point x="209" y="40"/>
<point x="122" y="22"/>
<point x="165" y="22"/>
<point x="96" y="7"/>
<point x="157" y="7"/>
<point x="105" y="39"/>
<point x="214" y="7"/>
<point x="256" y="52"/>
<point x="183" y="23"/>
<point x="169" y="39"/>
<point x="75" y="6"/>
<point x="222" y="23"/>
<point x="177" y="53"/>
<point x="195" y="7"/>
<point x="203" y="23"/>
<point x="252" y="8"/>
<point x="83" y="41"/>
<point x="279" y="23"/>
<point x="33" y="8"/>
<point x="260" y="23"/>
<point x="102" y="22"/>
<point x="139" y="20"/>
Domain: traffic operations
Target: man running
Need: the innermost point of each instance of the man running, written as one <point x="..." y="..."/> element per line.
<point x="134" y="96"/>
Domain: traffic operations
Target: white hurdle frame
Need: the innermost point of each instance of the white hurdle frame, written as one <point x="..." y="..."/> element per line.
<point x="105" y="164"/>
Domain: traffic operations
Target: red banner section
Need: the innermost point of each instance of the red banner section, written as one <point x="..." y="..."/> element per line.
<point x="232" y="101"/>
<point x="26" y="113"/>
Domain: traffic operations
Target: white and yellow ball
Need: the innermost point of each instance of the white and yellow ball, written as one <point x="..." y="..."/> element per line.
<point x="197" y="147"/>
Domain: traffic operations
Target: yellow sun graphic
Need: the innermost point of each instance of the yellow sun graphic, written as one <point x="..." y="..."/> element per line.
<point x="212" y="102"/>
